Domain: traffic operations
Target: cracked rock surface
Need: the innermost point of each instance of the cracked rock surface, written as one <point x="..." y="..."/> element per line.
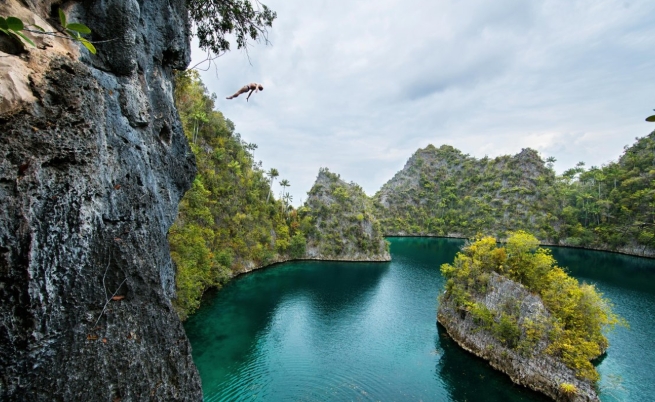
<point x="93" y="163"/>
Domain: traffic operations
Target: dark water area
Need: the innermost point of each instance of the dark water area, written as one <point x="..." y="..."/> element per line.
<point x="325" y="331"/>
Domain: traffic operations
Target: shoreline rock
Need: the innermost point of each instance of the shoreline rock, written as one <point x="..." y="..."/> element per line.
<point x="535" y="368"/>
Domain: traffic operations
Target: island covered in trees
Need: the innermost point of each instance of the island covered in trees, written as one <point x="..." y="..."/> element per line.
<point x="513" y="306"/>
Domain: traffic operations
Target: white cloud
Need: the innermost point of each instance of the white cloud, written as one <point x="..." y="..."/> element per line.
<point x="359" y="86"/>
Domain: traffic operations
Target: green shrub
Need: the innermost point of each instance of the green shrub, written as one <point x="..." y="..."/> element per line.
<point x="297" y="246"/>
<point x="507" y="330"/>
<point x="568" y="389"/>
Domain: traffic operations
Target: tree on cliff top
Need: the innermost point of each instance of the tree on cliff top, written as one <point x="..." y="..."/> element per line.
<point x="214" y="19"/>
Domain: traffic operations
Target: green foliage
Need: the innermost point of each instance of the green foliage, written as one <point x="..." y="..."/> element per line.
<point x="341" y="220"/>
<point x="578" y="313"/>
<point x="214" y="20"/>
<point x="272" y="175"/>
<point x="283" y="240"/>
<point x="227" y="220"/>
<point x="13" y="26"/>
<point x="534" y="330"/>
<point x="506" y="330"/>
<point x="482" y="315"/>
<point x="74" y="30"/>
<point x="444" y="192"/>
<point x="286" y="197"/>
<point x="195" y="268"/>
<point x="340" y="193"/>
<point x="613" y="206"/>
<point x="297" y="246"/>
<point x="568" y="389"/>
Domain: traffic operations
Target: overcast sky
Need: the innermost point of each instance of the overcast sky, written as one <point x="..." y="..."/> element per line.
<point x="359" y="86"/>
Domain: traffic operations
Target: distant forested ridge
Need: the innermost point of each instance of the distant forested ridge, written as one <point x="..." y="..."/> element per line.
<point x="443" y="192"/>
<point x="612" y="206"/>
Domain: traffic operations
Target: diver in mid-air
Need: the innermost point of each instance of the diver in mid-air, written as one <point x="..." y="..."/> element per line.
<point x="252" y="87"/>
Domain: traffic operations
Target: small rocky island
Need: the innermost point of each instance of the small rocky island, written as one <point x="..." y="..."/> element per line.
<point x="513" y="307"/>
<point x="343" y="225"/>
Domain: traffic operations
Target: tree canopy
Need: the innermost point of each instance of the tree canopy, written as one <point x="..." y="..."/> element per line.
<point x="444" y="192"/>
<point x="214" y="20"/>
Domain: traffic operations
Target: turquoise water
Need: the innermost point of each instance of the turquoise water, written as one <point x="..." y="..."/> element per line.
<point x="323" y="331"/>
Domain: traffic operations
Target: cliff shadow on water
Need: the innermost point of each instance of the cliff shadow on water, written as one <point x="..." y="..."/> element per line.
<point x="249" y="306"/>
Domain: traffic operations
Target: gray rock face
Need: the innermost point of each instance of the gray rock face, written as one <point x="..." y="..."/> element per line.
<point x="536" y="369"/>
<point x="92" y="168"/>
<point x="344" y="226"/>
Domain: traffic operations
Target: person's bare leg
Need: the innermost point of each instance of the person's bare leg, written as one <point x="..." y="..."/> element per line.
<point x="239" y="92"/>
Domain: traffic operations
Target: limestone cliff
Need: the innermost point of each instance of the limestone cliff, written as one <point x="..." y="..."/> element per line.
<point x="344" y="227"/>
<point x="93" y="163"/>
<point x="443" y="192"/>
<point x="526" y="362"/>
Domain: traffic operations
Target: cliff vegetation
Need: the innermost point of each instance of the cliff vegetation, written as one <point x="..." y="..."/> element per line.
<point x="229" y="223"/>
<point x="612" y="206"/>
<point x="443" y="192"/>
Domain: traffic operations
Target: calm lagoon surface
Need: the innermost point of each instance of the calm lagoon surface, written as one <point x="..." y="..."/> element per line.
<point x="326" y="331"/>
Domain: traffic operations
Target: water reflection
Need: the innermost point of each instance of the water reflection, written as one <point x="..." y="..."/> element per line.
<point x="272" y="303"/>
<point x="432" y="252"/>
<point x="616" y="269"/>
